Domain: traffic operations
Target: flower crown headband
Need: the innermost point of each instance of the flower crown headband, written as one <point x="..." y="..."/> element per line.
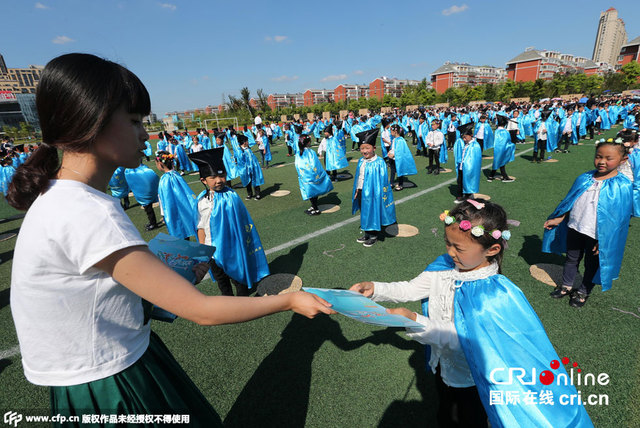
<point x="165" y="157"/>
<point x="478" y="230"/>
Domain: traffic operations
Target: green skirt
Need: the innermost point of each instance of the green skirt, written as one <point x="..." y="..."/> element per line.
<point x="154" y="391"/>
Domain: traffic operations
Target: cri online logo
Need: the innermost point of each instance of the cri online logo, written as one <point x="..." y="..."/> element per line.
<point x="547" y="377"/>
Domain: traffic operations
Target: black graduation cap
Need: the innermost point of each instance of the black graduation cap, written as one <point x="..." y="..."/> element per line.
<point x="297" y="128"/>
<point x="466" y="129"/>
<point x="338" y="124"/>
<point x="19" y="147"/>
<point x="242" y="138"/>
<point x="570" y="107"/>
<point x="385" y="122"/>
<point x="209" y="162"/>
<point x="545" y="114"/>
<point x="220" y="135"/>
<point x="502" y="119"/>
<point x="368" y="137"/>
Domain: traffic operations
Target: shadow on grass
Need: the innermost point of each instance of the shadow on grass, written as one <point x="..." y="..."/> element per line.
<point x="4" y="297"/>
<point x="532" y="254"/>
<point x="4" y="364"/>
<point x="290" y="262"/>
<point x="269" y="190"/>
<point x="330" y="198"/>
<point x="12" y="218"/>
<point x="6" y="256"/>
<point x="278" y="392"/>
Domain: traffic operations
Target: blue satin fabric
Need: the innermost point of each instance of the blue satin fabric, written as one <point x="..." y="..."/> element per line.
<point x="471" y="165"/>
<point x="423" y="129"/>
<point x="118" y="184"/>
<point x="250" y="170"/>
<point x="267" y="149"/>
<point x="239" y="251"/>
<point x="162" y="145"/>
<point x="183" y="159"/>
<point x="634" y="162"/>
<point x="206" y="143"/>
<point x="336" y="154"/>
<point x="229" y="163"/>
<point x="504" y="149"/>
<point x="376" y="201"/>
<point x="487" y="141"/>
<point x="605" y="121"/>
<point x="498" y="329"/>
<point x="249" y="135"/>
<point x="143" y="182"/>
<point x="355" y="129"/>
<point x="630" y="123"/>
<point x="147" y="151"/>
<point x="312" y="178"/>
<point x="521" y="133"/>
<point x="179" y="205"/>
<point x="6" y="175"/>
<point x="290" y="141"/>
<point x="574" y="137"/>
<point x="615" y="206"/>
<point x="580" y="124"/>
<point x="405" y="165"/>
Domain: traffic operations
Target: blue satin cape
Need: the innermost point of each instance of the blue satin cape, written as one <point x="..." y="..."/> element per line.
<point x="118" y="184"/>
<point x="336" y="155"/>
<point x="376" y="201"/>
<point x="239" y="250"/>
<point x="471" y="165"/>
<point x="504" y="149"/>
<point x="179" y="205"/>
<point x="143" y="182"/>
<point x="405" y="165"/>
<point x="615" y="206"/>
<point x="250" y="170"/>
<point x="312" y="178"/>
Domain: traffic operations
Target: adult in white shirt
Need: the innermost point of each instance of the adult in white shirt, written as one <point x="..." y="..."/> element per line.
<point x="82" y="281"/>
<point x="257" y="121"/>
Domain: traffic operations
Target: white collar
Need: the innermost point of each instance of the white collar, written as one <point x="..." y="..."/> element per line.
<point x="476" y="274"/>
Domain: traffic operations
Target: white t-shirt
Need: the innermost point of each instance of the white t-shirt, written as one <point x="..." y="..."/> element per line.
<point x="75" y="323"/>
<point x="583" y="217"/>
<point x="204" y="217"/>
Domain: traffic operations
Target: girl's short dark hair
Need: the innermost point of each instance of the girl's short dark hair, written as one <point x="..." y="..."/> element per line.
<point x="624" y="151"/>
<point x="303" y="142"/>
<point x="76" y="98"/>
<point x="492" y="217"/>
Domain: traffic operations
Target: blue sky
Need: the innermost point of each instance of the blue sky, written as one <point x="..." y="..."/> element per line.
<point x="191" y="52"/>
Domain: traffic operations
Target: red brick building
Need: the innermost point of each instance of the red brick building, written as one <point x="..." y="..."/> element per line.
<point x="317" y="96"/>
<point x="350" y="92"/>
<point x="276" y="101"/>
<point x="459" y="74"/>
<point x="384" y="86"/>
<point x="629" y="52"/>
<point x="535" y="64"/>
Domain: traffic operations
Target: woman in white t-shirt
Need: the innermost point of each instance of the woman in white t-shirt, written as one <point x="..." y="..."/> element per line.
<point x="82" y="280"/>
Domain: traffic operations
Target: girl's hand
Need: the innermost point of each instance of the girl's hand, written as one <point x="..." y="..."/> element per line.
<point x="200" y="270"/>
<point x="309" y="304"/>
<point x="364" y="288"/>
<point x="403" y="312"/>
<point x="596" y="249"/>
<point x="550" y="224"/>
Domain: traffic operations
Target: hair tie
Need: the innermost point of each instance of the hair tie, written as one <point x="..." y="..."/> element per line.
<point x="478" y="205"/>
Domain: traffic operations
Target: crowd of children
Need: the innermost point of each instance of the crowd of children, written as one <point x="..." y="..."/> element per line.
<point x="468" y="305"/>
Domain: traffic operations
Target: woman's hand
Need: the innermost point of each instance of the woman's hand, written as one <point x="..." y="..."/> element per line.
<point x="364" y="288"/>
<point x="309" y="305"/>
<point x="403" y="312"/>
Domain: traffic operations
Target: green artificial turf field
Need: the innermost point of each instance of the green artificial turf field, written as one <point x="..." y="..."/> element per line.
<point x="286" y="370"/>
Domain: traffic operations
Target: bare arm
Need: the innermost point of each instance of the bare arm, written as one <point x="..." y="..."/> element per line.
<point x="140" y="271"/>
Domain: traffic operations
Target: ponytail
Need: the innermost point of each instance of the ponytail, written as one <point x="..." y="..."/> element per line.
<point x="32" y="177"/>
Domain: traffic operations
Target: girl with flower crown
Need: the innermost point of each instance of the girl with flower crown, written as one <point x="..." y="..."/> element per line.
<point x="478" y="325"/>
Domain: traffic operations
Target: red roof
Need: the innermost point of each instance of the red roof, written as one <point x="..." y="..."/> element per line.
<point x="610" y="9"/>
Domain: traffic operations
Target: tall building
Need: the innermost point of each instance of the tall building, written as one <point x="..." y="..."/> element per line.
<point x="384" y="86"/>
<point x="610" y="37"/>
<point x="350" y="92"/>
<point x="629" y="52"/>
<point x="317" y="96"/>
<point x="453" y="74"/>
<point x="535" y="64"/>
<point x="285" y="100"/>
<point x="19" y="80"/>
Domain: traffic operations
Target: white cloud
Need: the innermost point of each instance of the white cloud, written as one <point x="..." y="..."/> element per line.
<point x="61" y="40"/>
<point x="358" y="72"/>
<point x="284" y="78"/>
<point x="277" y="39"/>
<point x="333" y="77"/>
<point x="41" y="6"/>
<point x="454" y="9"/>
<point x="169" y="6"/>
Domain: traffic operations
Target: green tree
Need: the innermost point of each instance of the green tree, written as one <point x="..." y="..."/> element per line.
<point x="631" y="72"/>
<point x="593" y="85"/>
<point x="614" y="82"/>
<point x="537" y="91"/>
<point x="245" y="96"/>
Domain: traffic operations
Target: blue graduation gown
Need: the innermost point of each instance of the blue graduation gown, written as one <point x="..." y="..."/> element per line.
<point x="312" y="178"/>
<point x="563" y="122"/>
<point x="239" y="250"/>
<point x="605" y="122"/>
<point x="162" y="145"/>
<point x="206" y="143"/>
<point x="118" y="184"/>
<point x="181" y="156"/>
<point x="487" y="140"/>
<point x="405" y="164"/>
<point x="580" y="124"/>
<point x="147" y="151"/>
<point x="179" y="205"/>
<point x="471" y="164"/>
<point x="250" y="171"/>
<point x="630" y="123"/>
<point x="376" y="202"/>
<point x="615" y="206"/>
<point x="504" y="149"/>
<point x="6" y="175"/>
<point x="634" y="162"/>
<point x="229" y="163"/>
<point x="498" y="330"/>
<point x="143" y="182"/>
<point x="336" y="155"/>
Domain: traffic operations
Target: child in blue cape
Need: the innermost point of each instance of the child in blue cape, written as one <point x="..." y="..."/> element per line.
<point x="468" y="161"/>
<point x="592" y="221"/>
<point x="225" y="223"/>
<point x="477" y="323"/>
<point x="119" y="187"/>
<point x="400" y="158"/>
<point x="312" y="178"/>
<point x="177" y="201"/>
<point x="504" y="150"/>
<point x="250" y="171"/>
<point x="372" y="193"/>
<point x="143" y="182"/>
<point x="335" y="152"/>
<point x="6" y="174"/>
